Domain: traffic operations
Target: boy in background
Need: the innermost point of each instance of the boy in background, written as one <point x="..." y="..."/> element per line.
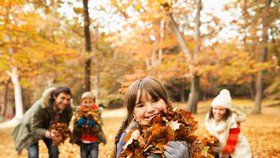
<point x="87" y="132"/>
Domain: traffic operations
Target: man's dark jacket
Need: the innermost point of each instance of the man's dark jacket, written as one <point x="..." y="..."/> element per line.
<point x="37" y="120"/>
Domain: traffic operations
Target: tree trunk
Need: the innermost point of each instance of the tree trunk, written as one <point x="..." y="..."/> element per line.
<point x="194" y="95"/>
<point x="259" y="83"/>
<point x="180" y="39"/>
<point x="87" y="45"/>
<point x="244" y="29"/>
<point x="179" y="36"/>
<point x="14" y="73"/>
<point x="194" y="92"/>
<point x="252" y="87"/>
<point x="182" y="96"/>
<point x="4" y="109"/>
<point x="162" y="24"/>
<point x="258" y="97"/>
<point x="87" y="74"/>
<point x="18" y="93"/>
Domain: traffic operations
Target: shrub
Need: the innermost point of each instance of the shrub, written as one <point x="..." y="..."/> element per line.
<point x="115" y="103"/>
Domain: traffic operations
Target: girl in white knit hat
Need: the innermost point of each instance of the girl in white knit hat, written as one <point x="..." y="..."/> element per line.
<point x="224" y="123"/>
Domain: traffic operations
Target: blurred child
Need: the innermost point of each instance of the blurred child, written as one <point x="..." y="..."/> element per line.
<point x="145" y="98"/>
<point x="224" y="123"/>
<point x="87" y="130"/>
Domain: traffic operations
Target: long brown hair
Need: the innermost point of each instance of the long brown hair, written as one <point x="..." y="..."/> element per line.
<point x="146" y="85"/>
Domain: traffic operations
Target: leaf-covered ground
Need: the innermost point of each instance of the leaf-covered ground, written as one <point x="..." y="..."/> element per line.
<point x="263" y="132"/>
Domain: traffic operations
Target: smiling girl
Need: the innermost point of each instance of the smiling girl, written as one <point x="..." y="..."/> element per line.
<point x="145" y="98"/>
<point x="223" y="123"/>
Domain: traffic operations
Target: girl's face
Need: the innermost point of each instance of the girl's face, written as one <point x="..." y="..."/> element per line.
<point x="147" y="107"/>
<point x="218" y="112"/>
<point x="87" y="102"/>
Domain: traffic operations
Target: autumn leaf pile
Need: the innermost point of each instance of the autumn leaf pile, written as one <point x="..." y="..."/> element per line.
<point x="63" y="132"/>
<point x="209" y="142"/>
<point x="87" y="113"/>
<point x="265" y="143"/>
<point x="177" y="125"/>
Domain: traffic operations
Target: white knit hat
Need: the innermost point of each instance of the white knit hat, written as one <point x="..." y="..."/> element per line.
<point x="223" y="99"/>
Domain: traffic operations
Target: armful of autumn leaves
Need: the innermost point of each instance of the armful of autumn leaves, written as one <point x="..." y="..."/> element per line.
<point x="64" y="132"/>
<point x="89" y="113"/>
<point x="172" y="125"/>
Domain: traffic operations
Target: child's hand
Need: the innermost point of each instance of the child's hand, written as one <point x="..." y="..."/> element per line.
<point x="91" y="122"/>
<point x="81" y="121"/>
<point x="176" y="149"/>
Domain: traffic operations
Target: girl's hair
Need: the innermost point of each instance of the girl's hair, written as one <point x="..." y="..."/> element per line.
<point x="146" y="85"/>
<point x="57" y="91"/>
<point x="225" y="117"/>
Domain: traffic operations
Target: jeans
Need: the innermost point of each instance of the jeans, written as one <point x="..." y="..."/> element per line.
<point x="33" y="150"/>
<point x="89" y="150"/>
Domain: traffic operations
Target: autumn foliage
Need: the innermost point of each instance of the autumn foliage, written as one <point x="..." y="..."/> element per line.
<point x="63" y="132"/>
<point x="172" y="125"/>
<point x="209" y="142"/>
<point x="88" y="113"/>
